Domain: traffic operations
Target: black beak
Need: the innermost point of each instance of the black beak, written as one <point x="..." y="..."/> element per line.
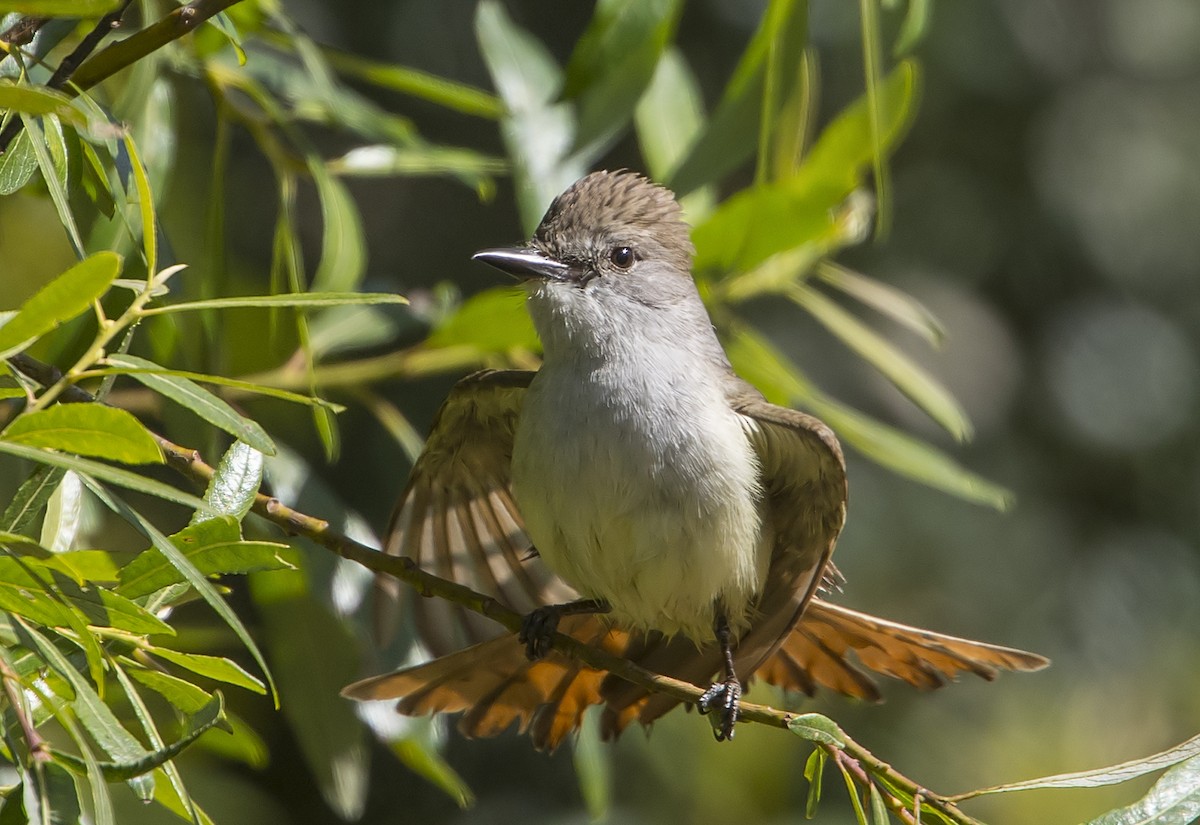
<point x="523" y="263"/>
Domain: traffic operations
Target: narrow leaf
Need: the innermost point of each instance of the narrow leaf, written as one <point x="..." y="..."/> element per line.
<point x="905" y="374"/>
<point x="200" y="401"/>
<point x="820" y="730"/>
<point x="1111" y="775"/>
<point x="63" y="513"/>
<point x="214" y="667"/>
<point x="30" y="497"/>
<point x="1172" y="800"/>
<point x="235" y="483"/>
<point x="211" y="547"/>
<point x="301" y="299"/>
<point x="885" y="299"/>
<point x="86" y="429"/>
<point x="68" y="295"/>
<point x="86" y="467"/>
<point x="145" y="205"/>
<point x="343" y="245"/>
<point x="179" y="692"/>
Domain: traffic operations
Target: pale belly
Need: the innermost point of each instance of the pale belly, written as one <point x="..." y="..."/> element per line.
<point x="654" y="510"/>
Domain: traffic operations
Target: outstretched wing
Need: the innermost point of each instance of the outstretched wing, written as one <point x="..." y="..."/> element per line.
<point x="457" y="518"/>
<point x="818" y="653"/>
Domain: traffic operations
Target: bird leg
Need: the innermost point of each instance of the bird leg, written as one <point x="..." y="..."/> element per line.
<point x="539" y="625"/>
<point x="725" y="695"/>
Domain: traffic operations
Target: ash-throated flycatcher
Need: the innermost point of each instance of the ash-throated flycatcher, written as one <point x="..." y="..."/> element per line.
<point x="636" y="494"/>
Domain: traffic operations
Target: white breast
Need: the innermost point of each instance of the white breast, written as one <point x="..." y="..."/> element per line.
<point x="638" y="485"/>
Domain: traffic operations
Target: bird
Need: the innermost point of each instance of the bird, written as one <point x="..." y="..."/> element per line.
<point x="637" y="495"/>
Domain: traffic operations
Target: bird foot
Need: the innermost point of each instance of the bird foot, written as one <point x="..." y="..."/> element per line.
<point x="538" y="629"/>
<point x="725" y="698"/>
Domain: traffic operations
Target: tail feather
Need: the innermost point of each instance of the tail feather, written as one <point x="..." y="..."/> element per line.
<point x="495" y="686"/>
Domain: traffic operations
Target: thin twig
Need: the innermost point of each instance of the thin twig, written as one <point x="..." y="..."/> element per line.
<point x="23" y="31"/>
<point x="39" y="751"/>
<point x="865" y="766"/>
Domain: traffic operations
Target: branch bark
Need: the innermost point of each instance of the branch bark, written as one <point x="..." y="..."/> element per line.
<point x="868" y="769"/>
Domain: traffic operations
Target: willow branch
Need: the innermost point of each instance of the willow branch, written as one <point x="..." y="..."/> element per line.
<point x="865" y="767"/>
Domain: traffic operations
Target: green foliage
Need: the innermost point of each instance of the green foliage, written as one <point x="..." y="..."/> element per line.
<point x="104" y="682"/>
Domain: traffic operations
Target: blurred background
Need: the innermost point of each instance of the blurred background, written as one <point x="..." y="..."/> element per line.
<point x="1046" y="207"/>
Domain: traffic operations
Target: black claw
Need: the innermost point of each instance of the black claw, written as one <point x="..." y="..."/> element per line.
<point x="724" y="697"/>
<point x="537" y="631"/>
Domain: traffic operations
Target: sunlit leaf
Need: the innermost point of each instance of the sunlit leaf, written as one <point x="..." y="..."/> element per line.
<point x="194" y="577"/>
<point x="493" y="321"/>
<point x="1172" y="800"/>
<point x="613" y="62"/>
<point x="235" y="483"/>
<point x="179" y="692"/>
<point x="1111" y="775"/>
<point x="730" y="136"/>
<point x="299" y="299"/>
<point x="388" y="161"/>
<point x="38" y="100"/>
<point x="820" y="730"/>
<point x="343" y="246"/>
<point x="905" y="374"/>
<point x="86" y="429"/>
<point x="448" y="93"/>
<point x="885" y="299"/>
<point x="193" y="397"/>
<point x="30" y="498"/>
<point x="213" y="667"/>
<point x="669" y="116"/>
<point x="86" y="467"/>
<point x="212" y="547"/>
<point x="17" y="164"/>
<point x="593" y="769"/>
<point x="814" y="772"/>
<point x="145" y="205"/>
<point x="64" y="511"/>
<point x="46" y="139"/>
<point x="68" y="295"/>
<point x="537" y="131"/>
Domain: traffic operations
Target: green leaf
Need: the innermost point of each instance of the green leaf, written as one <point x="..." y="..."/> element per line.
<point x="145" y="206"/>
<point x="30" y="498"/>
<point x="68" y="295"/>
<point x="83" y="566"/>
<point x="897" y="367"/>
<point x="593" y="769"/>
<point x="63" y="512"/>
<point x="814" y="772"/>
<point x="38" y="101"/>
<point x="389" y="161"/>
<point x="24" y="594"/>
<point x="189" y="572"/>
<point x="57" y="799"/>
<point x="214" y="667"/>
<point x="212" y="547"/>
<point x="494" y="320"/>
<point x="198" y="400"/>
<point x="211" y="716"/>
<point x="731" y="135"/>
<point x="537" y="131"/>
<point x="458" y="97"/>
<point x="301" y="299"/>
<point x="50" y="149"/>
<point x="94" y="469"/>
<point x="60" y="8"/>
<point x="764" y="220"/>
<point x="17" y="164"/>
<point x="86" y="429"/>
<point x="915" y="25"/>
<point x="87" y="705"/>
<point x="104" y="608"/>
<point x="885" y="299"/>
<point x="231" y="383"/>
<point x="879" y="814"/>
<point x="1111" y="775"/>
<point x="343" y="246"/>
<point x="611" y="65"/>
<point x="818" y="729"/>
<point x="179" y="692"/>
<point x="235" y="483"/>
<point x="1173" y="800"/>
<point x="669" y="116"/>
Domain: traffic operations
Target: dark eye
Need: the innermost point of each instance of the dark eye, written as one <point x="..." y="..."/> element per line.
<point x="621" y="257"/>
